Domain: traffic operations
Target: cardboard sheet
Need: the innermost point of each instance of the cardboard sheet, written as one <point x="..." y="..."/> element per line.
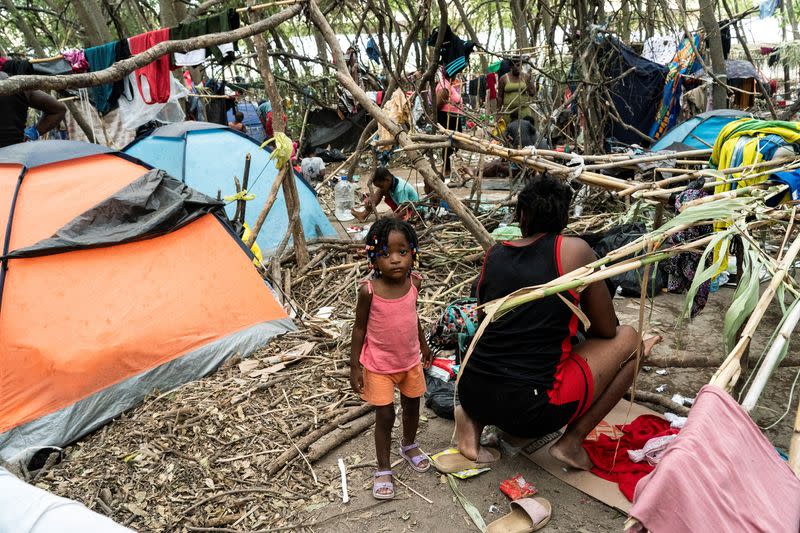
<point x="605" y="491"/>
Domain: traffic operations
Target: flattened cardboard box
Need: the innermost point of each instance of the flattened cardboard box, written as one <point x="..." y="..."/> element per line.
<point x="605" y="491"/>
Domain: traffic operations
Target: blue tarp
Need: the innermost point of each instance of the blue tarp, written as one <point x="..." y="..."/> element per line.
<point x="700" y="131"/>
<point x="207" y="156"/>
<point x="255" y="128"/>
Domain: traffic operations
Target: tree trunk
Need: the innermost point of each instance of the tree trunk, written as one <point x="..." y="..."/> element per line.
<point x="420" y="163"/>
<point x="650" y="19"/>
<point x="518" y="21"/>
<point x="290" y="195"/>
<point x="470" y="31"/>
<point x="93" y="22"/>
<point x="25" y="28"/>
<point x="171" y="12"/>
<point x="711" y="27"/>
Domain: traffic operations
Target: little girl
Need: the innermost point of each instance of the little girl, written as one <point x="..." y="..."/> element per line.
<point x="386" y="345"/>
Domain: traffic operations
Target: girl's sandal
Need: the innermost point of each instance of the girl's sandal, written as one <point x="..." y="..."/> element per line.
<point x="378" y="485"/>
<point x="415" y="460"/>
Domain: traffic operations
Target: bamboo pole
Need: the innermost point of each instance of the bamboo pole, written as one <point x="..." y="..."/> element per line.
<point x="770" y="361"/>
<point x="646" y="159"/>
<point x="727" y="374"/>
<point x="266" y="5"/>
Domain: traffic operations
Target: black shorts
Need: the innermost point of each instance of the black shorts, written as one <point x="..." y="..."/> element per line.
<point x="524" y="410"/>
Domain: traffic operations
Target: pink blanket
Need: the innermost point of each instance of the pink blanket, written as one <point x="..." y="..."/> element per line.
<point x="720" y="474"/>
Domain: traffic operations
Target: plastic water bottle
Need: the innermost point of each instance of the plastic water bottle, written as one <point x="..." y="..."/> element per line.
<point x="343" y="196"/>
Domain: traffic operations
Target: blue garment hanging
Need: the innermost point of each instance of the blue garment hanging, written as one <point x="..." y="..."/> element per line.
<point x="372" y="51"/>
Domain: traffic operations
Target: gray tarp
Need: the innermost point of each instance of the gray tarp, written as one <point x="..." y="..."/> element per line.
<point x="152" y="205"/>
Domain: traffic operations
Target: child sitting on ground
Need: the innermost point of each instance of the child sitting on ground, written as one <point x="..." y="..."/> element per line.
<point x="386" y="345"/>
<point x="395" y="192"/>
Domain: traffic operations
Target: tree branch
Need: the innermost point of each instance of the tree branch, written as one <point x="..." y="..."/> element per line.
<point x="119" y="70"/>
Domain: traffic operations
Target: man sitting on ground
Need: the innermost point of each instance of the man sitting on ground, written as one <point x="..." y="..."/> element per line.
<point x="395" y="192"/>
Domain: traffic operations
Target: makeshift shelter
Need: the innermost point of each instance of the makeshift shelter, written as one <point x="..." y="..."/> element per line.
<point x="207" y="156"/>
<point x="636" y="95"/>
<point x="252" y="123"/>
<point x="743" y="75"/>
<point x="116" y="280"/>
<point x="700" y="131"/>
<point x="328" y="129"/>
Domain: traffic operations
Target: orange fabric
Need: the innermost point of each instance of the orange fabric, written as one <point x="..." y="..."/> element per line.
<point x="75" y="323"/>
<point x="8" y="182"/>
<point x="379" y="388"/>
<point x="52" y="195"/>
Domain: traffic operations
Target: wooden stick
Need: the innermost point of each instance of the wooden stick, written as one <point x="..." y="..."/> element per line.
<point x="794" y="447"/>
<point x="273" y="195"/>
<point x="646" y="159"/>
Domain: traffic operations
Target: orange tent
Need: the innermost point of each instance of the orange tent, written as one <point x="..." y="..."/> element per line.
<point x="116" y="280"/>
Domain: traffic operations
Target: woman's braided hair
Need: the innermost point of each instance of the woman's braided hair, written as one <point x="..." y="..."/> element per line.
<point x="377" y="239"/>
<point x="545" y="203"/>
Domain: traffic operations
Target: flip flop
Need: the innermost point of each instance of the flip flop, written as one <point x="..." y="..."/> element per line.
<point x="378" y="485"/>
<point x="449" y="463"/>
<point x="527" y="515"/>
<point x="415" y="460"/>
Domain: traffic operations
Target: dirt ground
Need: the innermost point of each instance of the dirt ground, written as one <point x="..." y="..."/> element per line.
<point x="573" y="511"/>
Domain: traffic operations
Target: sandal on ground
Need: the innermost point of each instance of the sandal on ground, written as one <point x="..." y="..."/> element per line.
<point x="415" y="460"/>
<point x="527" y="515"/>
<point x="378" y="485"/>
<point x="452" y="461"/>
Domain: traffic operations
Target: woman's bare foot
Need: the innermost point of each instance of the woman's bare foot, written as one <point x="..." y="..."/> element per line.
<point x="571" y="454"/>
<point x="468" y="438"/>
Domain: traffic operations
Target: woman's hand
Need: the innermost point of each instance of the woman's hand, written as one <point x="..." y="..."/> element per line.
<point x="357" y="379"/>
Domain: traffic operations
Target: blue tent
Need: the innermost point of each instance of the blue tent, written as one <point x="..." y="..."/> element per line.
<point x="255" y="128"/>
<point x="207" y="156"/>
<point x="701" y="130"/>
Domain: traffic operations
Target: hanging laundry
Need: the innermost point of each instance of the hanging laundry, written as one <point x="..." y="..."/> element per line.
<point x="372" y="51"/>
<point x="610" y="456"/>
<point x="3" y="62"/>
<point x="790" y="178"/>
<point x="54" y="67"/>
<point x="720" y="474"/>
<point x="491" y="86"/>
<point x="725" y="37"/>
<point x="684" y="62"/>
<point x="105" y="97"/>
<point x="767" y="8"/>
<point x="76" y="59"/>
<point x="135" y="111"/>
<point x="156" y="74"/>
<point x="189" y="59"/>
<point x="454" y="53"/>
<point x="225" y="21"/>
<point x="660" y="49"/>
<point x="17" y="67"/>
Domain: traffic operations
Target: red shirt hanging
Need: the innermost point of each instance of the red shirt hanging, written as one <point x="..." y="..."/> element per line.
<point x="156" y="73"/>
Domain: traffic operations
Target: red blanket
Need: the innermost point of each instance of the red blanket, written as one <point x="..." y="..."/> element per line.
<point x="610" y="456"/>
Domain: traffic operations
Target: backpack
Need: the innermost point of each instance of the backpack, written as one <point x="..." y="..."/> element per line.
<point x="456" y="327"/>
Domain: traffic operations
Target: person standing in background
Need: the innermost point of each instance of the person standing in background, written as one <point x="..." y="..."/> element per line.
<point x="449" y="111"/>
<point x="14" y="115"/>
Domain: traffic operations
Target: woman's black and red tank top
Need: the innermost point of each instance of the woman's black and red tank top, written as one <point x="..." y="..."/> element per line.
<point x="527" y="344"/>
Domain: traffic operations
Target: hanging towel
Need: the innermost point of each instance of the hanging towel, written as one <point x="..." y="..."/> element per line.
<point x="454" y="53"/>
<point x="372" y="51"/>
<point x="720" y="474"/>
<point x="227" y="20"/>
<point x="105" y="97"/>
<point x="156" y="74"/>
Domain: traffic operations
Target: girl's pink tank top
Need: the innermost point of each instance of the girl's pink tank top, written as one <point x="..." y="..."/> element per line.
<point x="391" y="344"/>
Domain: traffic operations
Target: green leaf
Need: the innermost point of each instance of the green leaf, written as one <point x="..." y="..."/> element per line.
<point x="745" y="298"/>
<point x="471" y="510"/>
<point x="705" y="273"/>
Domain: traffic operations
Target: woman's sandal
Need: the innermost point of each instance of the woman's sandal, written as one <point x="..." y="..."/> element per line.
<point x="527" y="515"/>
<point x="378" y="485"/>
<point x="415" y="460"/>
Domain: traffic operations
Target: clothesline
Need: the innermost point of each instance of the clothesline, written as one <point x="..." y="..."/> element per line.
<point x="268" y="4"/>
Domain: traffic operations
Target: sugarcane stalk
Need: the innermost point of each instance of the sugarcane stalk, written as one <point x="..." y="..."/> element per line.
<point x="771" y="360"/>
<point x="728" y="373"/>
